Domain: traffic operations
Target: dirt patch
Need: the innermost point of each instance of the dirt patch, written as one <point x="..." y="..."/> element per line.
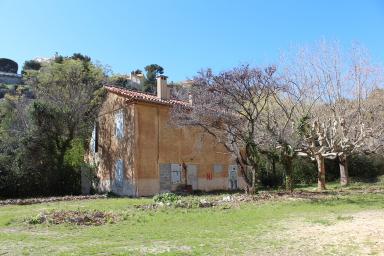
<point x="163" y="247"/>
<point x="349" y="234"/>
<point x="86" y="218"/>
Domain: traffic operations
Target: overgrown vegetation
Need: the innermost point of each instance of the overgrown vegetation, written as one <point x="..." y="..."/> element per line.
<point x="361" y="168"/>
<point x="166" y="198"/>
<point x="43" y="138"/>
<point x="77" y="217"/>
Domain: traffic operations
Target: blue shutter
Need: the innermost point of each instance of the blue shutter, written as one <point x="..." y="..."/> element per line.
<point x="119" y="124"/>
<point x="93" y="139"/>
<point x="119" y="172"/>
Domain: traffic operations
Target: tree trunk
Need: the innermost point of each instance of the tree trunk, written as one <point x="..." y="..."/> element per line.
<point x="343" y="165"/>
<point x="61" y="163"/>
<point x="321" y="172"/>
<point x="253" y="180"/>
<point x="288" y="171"/>
<point x="59" y="187"/>
<point x="244" y="171"/>
<point x="274" y="167"/>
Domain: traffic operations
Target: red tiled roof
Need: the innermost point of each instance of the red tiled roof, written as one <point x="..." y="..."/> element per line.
<point x="143" y="97"/>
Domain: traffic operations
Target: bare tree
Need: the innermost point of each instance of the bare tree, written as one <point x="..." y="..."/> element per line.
<point x="288" y="106"/>
<point x="344" y="119"/>
<point x="228" y="106"/>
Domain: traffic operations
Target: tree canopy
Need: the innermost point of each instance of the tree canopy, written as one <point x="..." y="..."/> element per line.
<point x="49" y="127"/>
<point x="321" y="104"/>
<point x="152" y="71"/>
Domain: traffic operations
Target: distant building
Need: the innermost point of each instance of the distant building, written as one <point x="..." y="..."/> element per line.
<point x="43" y="59"/>
<point x="187" y="84"/>
<point x="136" y="81"/>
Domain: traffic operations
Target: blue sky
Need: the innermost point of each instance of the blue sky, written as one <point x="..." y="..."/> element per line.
<point x="184" y="35"/>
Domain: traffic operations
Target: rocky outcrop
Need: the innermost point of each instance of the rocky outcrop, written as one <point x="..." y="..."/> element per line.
<point x="8" y="66"/>
<point x="8" y="72"/>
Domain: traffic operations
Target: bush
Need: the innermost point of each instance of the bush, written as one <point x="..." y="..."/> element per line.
<point x="378" y="163"/>
<point x="120" y="81"/>
<point x="304" y="171"/>
<point x="78" y="217"/>
<point x="332" y="170"/>
<point x="360" y="167"/>
<point x="166" y="198"/>
<point x="272" y="178"/>
<point x="365" y="167"/>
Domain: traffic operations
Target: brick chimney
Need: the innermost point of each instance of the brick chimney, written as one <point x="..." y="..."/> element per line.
<point x="163" y="92"/>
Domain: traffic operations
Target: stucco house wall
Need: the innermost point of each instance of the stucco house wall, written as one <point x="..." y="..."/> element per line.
<point x="110" y="148"/>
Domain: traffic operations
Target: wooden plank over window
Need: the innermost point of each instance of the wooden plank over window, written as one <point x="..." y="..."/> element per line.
<point x="165" y="177"/>
<point x="175" y="173"/>
<point x="217" y="168"/>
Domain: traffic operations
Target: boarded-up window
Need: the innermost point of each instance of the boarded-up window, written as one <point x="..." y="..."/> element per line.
<point x="192" y="176"/>
<point x="165" y="177"/>
<point x="119" y="172"/>
<point x="217" y="168"/>
<point x="175" y="173"/>
<point x="119" y="124"/>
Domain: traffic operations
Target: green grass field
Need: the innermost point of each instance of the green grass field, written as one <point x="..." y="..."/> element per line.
<point x="351" y="224"/>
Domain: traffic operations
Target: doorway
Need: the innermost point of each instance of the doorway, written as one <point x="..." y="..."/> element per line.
<point x="232" y="177"/>
<point x="192" y="175"/>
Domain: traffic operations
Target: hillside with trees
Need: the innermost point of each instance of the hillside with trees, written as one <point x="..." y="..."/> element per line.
<point x="42" y="138"/>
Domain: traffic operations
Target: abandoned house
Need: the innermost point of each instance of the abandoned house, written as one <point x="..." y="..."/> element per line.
<point x="137" y="152"/>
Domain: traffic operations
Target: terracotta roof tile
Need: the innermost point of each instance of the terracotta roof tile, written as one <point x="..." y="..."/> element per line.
<point x="143" y="97"/>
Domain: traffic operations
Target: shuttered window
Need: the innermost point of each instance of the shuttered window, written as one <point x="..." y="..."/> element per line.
<point x="95" y="138"/>
<point x="175" y="173"/>
<point x="119" y="124"/>
<point x="119" y="172"/>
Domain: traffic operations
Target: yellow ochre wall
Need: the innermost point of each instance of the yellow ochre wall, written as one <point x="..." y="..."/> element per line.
<point x="111" y="149"/>
<point x="158" y="142"/>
